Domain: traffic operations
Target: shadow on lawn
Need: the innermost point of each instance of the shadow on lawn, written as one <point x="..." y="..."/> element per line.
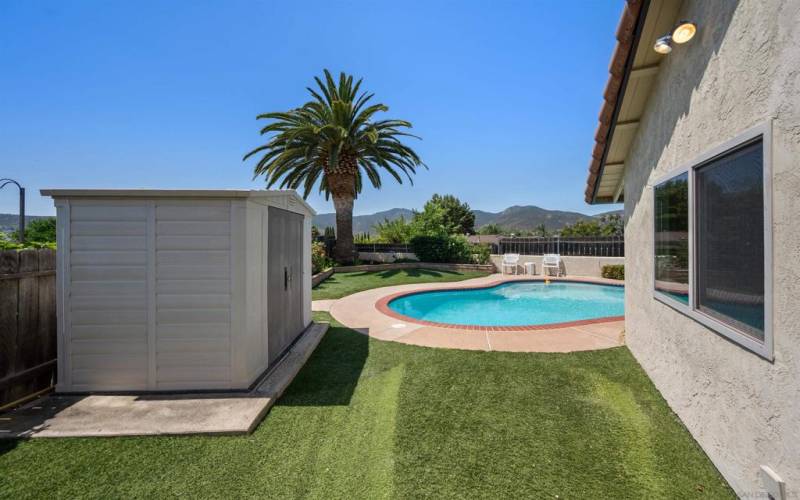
<point x="411" y="273"/>
<point x="7" y="445"/>
<point x="330" y="376"/>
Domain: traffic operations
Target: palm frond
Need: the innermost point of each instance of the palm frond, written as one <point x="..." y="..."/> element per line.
<point x="305" y="145"/>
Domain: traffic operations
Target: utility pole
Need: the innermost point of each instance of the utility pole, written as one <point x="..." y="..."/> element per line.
<point x="21" y="231"/>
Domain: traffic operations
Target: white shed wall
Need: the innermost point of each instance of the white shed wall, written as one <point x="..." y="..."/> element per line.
<point x="166" y="293"/>
<point x="193" y="294"/>
<point x="107" y="308"/>
<point x="256" y="308"/>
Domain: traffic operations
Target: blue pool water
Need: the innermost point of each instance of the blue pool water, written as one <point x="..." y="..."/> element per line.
<point x="514" y="304"/>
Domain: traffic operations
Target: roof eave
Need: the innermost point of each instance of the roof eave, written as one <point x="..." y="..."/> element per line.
<point x="628" y="33"/>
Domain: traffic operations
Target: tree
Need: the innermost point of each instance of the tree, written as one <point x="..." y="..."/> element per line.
<point x="584" y="227"/>
<point x="393" y="231"/>
<point x="40" y="230"/>
<point x="334" y="142"/>
<point x="444" y="215"/>
<point x="362" y="238"/>
<point x="612" y="225"/>
<point x="606" y="225"/>
<point x="491" y="229"/>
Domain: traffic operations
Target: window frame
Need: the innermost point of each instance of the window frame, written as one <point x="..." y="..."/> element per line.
<point x="761" y="132"/>
<point x="658" y="294"/>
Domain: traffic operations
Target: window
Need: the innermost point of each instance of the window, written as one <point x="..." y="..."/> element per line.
<point x="730" y="239"/>
<point x="712" y="240"/>
<point x="672" y="238"/>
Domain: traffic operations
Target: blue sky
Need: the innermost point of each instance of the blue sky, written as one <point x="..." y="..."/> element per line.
<point x="164" y="94"/>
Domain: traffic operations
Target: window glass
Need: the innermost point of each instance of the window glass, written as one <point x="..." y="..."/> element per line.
<point x="672" y="238"/>
<point x="729" y="200"/>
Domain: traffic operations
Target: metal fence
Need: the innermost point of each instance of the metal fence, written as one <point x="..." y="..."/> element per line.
<point x="383" y="247"/>
<point x="612" y="246"/>
<point x="589" y="246"/>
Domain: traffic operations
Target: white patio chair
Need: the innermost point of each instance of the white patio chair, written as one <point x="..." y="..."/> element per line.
<point x="510" y="260"/>
<point x="551" y="261"/>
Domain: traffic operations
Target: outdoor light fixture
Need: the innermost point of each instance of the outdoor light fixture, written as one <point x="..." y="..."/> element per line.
<point x="683" y="32"/>
<point x="21" y="227"/>
<point x="663" y="45"/>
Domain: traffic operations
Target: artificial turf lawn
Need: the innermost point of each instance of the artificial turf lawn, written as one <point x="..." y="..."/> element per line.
<point x="373" y="419"/>
<point x="341" y="284"/>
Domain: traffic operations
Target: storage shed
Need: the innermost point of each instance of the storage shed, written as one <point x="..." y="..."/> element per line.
<point x="178" y="289"/>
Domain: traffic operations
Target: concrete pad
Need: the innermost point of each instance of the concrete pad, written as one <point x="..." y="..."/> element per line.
<point x="278" y="380"/>
<point x="160" y="413"/>
<point x="96" y="415"/>
<point x="322" y="305"/>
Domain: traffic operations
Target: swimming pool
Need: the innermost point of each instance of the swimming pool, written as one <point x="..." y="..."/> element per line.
<point x="513" y="304"/>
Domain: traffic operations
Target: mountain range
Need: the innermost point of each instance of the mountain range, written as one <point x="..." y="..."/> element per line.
<point x="517" y="217"/>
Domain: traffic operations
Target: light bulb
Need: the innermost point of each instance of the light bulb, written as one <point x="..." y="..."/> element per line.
<point x="663" y="45"/>
<point x="683" y="32"/>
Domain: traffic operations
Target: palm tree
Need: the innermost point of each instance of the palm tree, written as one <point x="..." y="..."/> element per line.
<point x="334" y="141"/>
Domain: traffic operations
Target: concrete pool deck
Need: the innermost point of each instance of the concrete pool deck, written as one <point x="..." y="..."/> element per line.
<point x="362" y="312"/>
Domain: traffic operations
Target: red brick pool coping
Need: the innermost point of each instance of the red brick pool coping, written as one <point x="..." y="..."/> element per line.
<point x="382" y="305"/>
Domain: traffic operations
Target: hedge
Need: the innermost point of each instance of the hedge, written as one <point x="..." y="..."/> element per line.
<point x="449" y="249"/>
<point x="614" y="271"/>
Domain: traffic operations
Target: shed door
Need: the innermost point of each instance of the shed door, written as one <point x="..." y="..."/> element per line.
<point x="285" y="283"/>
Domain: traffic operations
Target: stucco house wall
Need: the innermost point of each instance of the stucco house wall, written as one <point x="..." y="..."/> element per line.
<point x="742" y="70"/>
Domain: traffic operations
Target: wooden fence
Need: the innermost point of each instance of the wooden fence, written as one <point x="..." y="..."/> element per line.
<point x="27" y="323"/>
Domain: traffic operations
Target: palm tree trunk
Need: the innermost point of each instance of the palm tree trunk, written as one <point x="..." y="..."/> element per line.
<point x="344" y="251"/>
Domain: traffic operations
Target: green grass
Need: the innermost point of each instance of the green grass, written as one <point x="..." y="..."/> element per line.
<point x="372" y="419"/>
<point x="341" y="284"/>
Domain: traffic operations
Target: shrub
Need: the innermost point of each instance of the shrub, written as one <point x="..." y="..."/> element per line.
<point x="448" y="249"/>
<point x="319" y="261"/>
<point x="614" y="271"/>
<point x="481" y="253"/>
<point x="9" y="242"/>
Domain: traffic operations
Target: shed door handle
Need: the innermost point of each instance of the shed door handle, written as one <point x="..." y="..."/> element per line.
<point x="285" y="278"/>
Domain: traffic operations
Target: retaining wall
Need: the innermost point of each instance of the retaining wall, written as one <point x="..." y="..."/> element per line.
<point x="320" y="277"/>
<point x="571" y="266"/>
<point x="385" y="257"/>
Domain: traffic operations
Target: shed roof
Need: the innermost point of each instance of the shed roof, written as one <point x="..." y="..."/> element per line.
<point x="176" y="193"/>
